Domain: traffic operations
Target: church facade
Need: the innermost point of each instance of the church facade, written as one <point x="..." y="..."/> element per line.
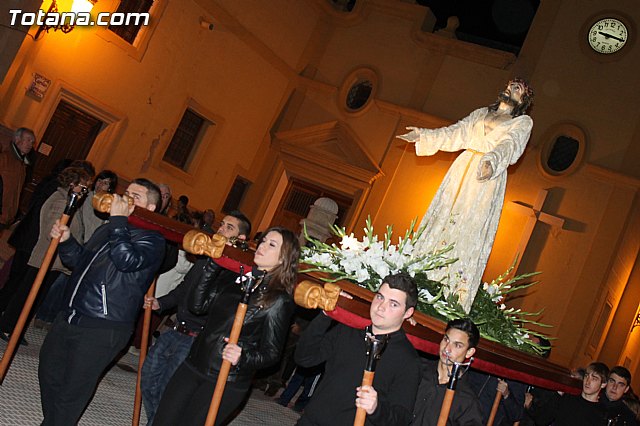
<point x="290" y="100"/>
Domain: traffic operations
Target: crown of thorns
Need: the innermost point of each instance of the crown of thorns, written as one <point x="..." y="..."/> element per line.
<point x="528" y="90"/>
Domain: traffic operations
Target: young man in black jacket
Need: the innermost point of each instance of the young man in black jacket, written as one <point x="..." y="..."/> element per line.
<point x="172" y="347"/>
<point x="389" y="401"/>
<point x="111" y="274"/>
<point x="577" y="410"/>
<point x="618" y="384"/>
<point x="461" y="336"/>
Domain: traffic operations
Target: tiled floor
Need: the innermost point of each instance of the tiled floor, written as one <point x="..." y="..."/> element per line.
<point x="113" y="402"/>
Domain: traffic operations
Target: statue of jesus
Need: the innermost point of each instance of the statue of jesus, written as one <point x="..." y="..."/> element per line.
<point x="466" y="209"/>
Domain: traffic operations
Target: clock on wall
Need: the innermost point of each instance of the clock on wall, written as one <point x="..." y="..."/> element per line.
<point x="608" y="35"/>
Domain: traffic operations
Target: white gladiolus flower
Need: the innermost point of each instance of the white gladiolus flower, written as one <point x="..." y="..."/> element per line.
<point x="424" y="293"/>
<point x="362" y="275"/>
<point x="349" y="242"/>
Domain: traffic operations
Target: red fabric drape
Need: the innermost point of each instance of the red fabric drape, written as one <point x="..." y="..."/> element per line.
<point x="356" y="321"/>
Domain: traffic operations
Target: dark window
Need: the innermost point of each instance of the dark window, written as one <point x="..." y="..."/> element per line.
<point x="344" y="5"/>
<point x="185" y="140"/>
<point x="236" y="194"/>
<point x="299" y="201"/>
<point x="359" y="94"/>
<point x="563" y="153"/>
<point x="129" y="31"/>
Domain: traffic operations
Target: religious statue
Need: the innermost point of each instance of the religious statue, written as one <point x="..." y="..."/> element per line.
<point x="466" y="209"/>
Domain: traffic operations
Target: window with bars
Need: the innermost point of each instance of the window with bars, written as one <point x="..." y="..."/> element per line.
<point x="129" y="32"/>
<point x="186" y="139"/>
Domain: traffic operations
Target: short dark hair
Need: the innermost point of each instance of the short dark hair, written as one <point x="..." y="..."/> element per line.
<point x="622" y="372"/>
<point x="108" y="174"/>
<point x="466" y="325"/>
<point x="403" y="281"/>
<point x="600" y="369"/>
<point x="153" y="192"/>
<point x="244" y="228"/>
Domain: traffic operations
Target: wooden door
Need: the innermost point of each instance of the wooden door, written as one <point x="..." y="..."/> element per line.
<point x="298" y="199"/>
<point x="70" y="134"/>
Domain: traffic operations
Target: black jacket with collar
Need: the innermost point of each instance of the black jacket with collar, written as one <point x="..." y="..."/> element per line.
<point x="111" y="273"/>
<point x="343" y="349"/>
<point x="465" y="409"/>
<point x="264" y="330"/>
<point x="178" y="298"/>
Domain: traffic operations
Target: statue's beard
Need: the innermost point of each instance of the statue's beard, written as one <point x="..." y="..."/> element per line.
<point x="505" y="96"/>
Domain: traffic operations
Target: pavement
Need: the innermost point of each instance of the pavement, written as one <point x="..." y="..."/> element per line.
<point x="113" y="401"/>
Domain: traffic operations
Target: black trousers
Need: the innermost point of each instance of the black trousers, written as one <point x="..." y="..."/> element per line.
<point x="16" y="274"/>
<point x="187" y="398"/>
<point x="14" y="308"/>
<point x="72" y="360"/>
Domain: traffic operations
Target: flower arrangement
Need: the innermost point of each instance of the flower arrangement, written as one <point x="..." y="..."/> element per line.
<point x="370" y="259"/>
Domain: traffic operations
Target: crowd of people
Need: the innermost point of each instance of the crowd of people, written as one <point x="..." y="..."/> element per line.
<point x="94" y="293"/>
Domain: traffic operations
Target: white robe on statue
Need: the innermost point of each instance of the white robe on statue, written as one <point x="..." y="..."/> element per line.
<point x="464" y="211"/>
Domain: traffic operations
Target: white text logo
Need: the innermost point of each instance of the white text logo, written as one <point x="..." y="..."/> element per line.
<point x="103" y="19"/>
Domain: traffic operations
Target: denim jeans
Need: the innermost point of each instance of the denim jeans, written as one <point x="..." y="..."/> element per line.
<point x="163" y="359"/>
<point x="308" y="378"/>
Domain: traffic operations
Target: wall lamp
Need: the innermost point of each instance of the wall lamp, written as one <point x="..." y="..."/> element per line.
<point x="636" y="323"/>
<point x="57" y="19"/>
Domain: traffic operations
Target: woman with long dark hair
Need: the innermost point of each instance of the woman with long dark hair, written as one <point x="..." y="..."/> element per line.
<point x="188" y="395"/>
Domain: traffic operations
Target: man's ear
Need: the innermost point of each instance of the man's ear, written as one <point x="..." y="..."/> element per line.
<point x="603" y="385"/>
<point x="151" y="207"/>
<point x="409" y="313"/>
<point x="470" y="353"/>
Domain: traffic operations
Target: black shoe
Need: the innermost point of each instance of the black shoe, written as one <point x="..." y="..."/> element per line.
<point x="271" y="390"/>
<point x="6" y="337"/>
<point x="126" y="367"/>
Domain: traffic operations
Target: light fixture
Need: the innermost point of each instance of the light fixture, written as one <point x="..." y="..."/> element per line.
<point x="636" y="322"/>
<point x="55" y="19"/>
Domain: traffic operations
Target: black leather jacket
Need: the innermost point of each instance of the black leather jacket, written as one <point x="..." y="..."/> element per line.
<point x="264" y="330"/>
<point x="111" y="273"/>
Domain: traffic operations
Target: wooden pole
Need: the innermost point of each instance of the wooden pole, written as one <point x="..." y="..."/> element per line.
<point x="236" y="328"/>
<point x="446" y="407"/>
<point x="144" y="346"/>
<point x="226" y="366"/>
<point x="35" y="287"/>
<point x="361" y="414"/>
<point x="494" y="408"/>
<point x="450" y="392"/>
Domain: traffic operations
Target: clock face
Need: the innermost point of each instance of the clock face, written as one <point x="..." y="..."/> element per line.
<point x="608" y="35"/>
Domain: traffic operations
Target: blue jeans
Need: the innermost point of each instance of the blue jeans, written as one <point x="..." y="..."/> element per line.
<point x="163" y="359"/>
<point x="308" y="378"/>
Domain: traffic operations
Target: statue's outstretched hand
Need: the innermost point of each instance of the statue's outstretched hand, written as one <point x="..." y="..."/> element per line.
<point x="485" y="171"/>
<point x="413" y="136"/>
